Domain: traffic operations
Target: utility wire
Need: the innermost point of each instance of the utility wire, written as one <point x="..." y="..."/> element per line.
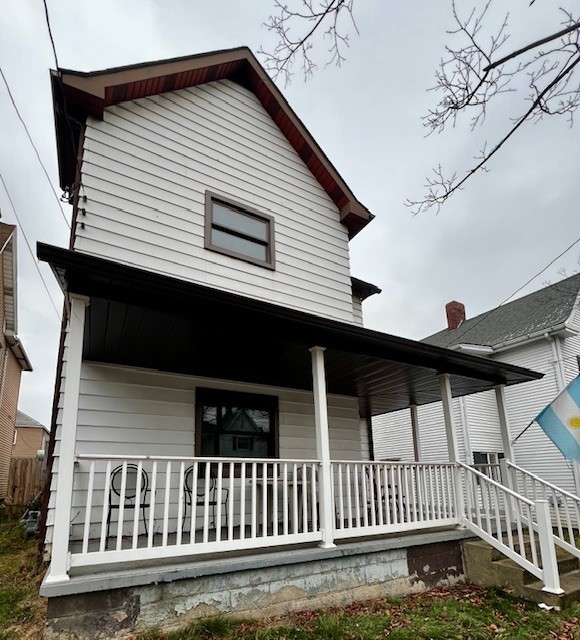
<point x="29" y="247"/>
<point x="34" y="147"/>
<point x="486" y="315"/>
<point x="50" y="34"/>
<point x="67" y="117"/>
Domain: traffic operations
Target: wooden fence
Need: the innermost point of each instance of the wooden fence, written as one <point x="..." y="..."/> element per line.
<point x="24" y="481"/>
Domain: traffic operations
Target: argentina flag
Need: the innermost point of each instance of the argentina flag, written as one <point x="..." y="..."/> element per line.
<point x="561" y="421"/>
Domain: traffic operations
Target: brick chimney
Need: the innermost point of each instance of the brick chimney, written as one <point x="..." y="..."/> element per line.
<point x="455" y="314"/>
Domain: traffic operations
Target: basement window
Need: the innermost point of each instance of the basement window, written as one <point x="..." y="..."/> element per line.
<point x="238" y="231"/>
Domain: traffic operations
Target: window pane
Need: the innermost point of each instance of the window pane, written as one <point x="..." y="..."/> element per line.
<point x="208" y="445"/>
<point x="238" y="245"/>
<point x="209" y="418"/>
<point x="246" y="420"/>
<point x="232" y="219"/>
<point x="250" y="446"/>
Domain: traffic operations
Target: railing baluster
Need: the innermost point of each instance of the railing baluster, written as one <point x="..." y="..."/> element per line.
<point x="106" y="510"/>
<point x="295" y="498"/>
<point x="406" y="494"/>
<point x="275" y="499"/>
<point x="231" y="496"/>
<point x="371" y="478"/>
<point x="532" y="535"/>
<point x="432" y="494"/>
<point x="180" y="501"/>
<point x="400" y="495"/>
<point x="206" y="492"/>
<point x="153" y="494"/>
<point x="254" y="511"/>
<point x="88" y="508"/>
<point x="356" y="495"/>
<point x="166" y="503"/>
<point x="220" y="486"/>
<point x="340" y="499"/>
<point x="314" y="489"/>
<point x="137" y="509"/>
<point x="394" y="495"/>
<point x="193" y="514"/>
<point x="348" y="496"/>
<point x="380" y="498"/>
<point x="387" y="494"/>
<point x="364" y="499"/>
<point x="413" y="472"/>
<point x="284" y="498"/>
<point x="554" y="505"/>
<point x="121" y="509"/>
<point x="264" y="500"/>
<point x="304" y="482"/>
<point x="243" y="501"/>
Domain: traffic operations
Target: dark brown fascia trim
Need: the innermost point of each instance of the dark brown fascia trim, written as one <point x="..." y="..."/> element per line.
<point x="347" y="337"/>
<point x="210" y="196"/>
<point x="88" y="92"/>
<point x="362" y="289"/>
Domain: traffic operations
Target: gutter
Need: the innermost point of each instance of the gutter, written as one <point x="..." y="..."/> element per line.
<point x="562" y="328"/>
<point x="18" y="350"/>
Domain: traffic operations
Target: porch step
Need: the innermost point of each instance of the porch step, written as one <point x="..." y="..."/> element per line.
<point x="485" y="566"/>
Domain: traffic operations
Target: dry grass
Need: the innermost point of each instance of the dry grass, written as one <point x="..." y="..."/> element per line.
<point x="22" y="610"/>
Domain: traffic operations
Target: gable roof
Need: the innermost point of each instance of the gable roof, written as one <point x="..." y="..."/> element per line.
<point x="543" y="310"/>
<point x="24" y="420"/>
<point x="78" y="94"/>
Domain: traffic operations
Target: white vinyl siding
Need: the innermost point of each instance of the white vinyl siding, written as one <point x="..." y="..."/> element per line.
<point x="147" y="166"/>
<point x="357" y="312"/>
<point x="137" y="412"/>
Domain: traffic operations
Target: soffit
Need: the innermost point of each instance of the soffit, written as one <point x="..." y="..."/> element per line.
<point x="141" y="319"/>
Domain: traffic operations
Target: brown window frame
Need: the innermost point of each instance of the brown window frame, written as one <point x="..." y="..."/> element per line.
<point x="210" y="198"/>
<point x="221" y="397"/>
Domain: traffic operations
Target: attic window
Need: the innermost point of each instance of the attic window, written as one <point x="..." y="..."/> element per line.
<point x="238" y="231"/>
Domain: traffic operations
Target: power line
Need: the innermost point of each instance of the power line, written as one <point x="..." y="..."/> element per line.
<point x="29" y="247"/>
<point x="67" y="117"/>
<point x="50" y="34"/>
<point x="486" y="315"/>
<point x="34" y="147"/>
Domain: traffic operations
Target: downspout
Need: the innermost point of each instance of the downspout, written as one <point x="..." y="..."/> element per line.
<point x="560" y="377"/>
<point x="465" y="429"/>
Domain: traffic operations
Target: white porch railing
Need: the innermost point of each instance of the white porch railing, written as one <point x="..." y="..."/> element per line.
<point x="160" y="507"/>
<point x="490" y="469"/>
<point x="136" y="508"/>
<point x="511" y="523"/>
<point x="385" y="497"/>
<point x="564" y="506"/>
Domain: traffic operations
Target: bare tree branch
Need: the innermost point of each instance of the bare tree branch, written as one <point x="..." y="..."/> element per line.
<point x="297" y="30"/>
<point x="473" y="75"/>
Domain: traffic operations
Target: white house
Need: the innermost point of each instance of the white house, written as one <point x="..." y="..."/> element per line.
<point x="540" y="331"/>
<point x="210" y="451"/>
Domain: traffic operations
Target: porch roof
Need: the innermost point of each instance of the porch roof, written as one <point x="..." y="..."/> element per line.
<point x="139" y="318"/>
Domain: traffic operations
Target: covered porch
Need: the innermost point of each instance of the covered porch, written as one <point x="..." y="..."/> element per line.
<point x="116" y="505"/>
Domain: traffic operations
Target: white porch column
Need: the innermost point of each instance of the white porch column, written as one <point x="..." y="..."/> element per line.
<point x="504" y="424"/>
<point x="447" y="400"/>
<point x="415" y="428"/>
<point x="326" y="507"/>
<point x="59" y="564"/>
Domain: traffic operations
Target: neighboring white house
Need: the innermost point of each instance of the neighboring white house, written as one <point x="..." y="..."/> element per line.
<point x="540" y="331"/>
<point x="215" y="383"/>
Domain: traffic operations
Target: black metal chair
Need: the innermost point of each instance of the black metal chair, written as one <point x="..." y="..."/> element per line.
<point x="199" y="500"/>
<point x="130" y="498"/>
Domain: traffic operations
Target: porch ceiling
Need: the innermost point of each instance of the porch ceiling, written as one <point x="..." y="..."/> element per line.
<point x="143" y="319"/>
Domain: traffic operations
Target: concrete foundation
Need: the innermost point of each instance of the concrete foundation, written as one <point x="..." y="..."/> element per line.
<point x="260" y="586"/>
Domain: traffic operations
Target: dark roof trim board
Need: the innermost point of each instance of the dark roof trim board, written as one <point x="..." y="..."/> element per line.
<point x="387" y="371"/>
<point x="547" y="310"/>
<point x="362" y="289"/>
<point x="78" y="94"/>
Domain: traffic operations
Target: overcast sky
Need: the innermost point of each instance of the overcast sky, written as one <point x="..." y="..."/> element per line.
<point x="483" y="245"/>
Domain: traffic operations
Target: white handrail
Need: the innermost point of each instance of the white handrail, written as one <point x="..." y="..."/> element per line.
<point x="496" y="484"/>
<point x="216" y="459"/>
<point x="544" y="482"/>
